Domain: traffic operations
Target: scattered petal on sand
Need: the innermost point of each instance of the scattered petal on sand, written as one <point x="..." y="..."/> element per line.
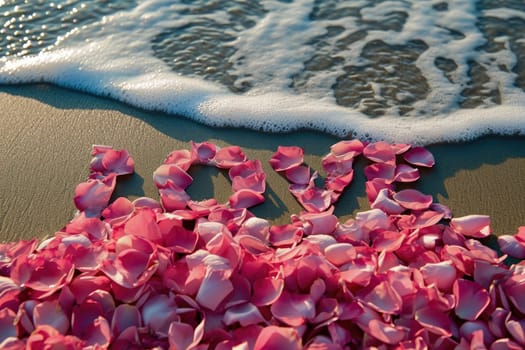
<point x="413" y="199"/>
<point x="477" y="226"/>
<point x="287" y="157"/>
<point x="419" y="156"/>
<point x="380" y="152"/>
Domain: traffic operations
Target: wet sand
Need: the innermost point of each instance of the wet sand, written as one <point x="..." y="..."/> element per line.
<point x="47" y="133"/>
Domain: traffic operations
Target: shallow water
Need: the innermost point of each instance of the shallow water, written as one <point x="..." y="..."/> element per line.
<point x="415" y="71"/>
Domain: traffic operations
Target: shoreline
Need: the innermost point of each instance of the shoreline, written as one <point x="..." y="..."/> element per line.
<point x="48" y="131"/>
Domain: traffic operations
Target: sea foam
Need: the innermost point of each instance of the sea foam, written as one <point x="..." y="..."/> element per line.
<point x="403" y="71"/>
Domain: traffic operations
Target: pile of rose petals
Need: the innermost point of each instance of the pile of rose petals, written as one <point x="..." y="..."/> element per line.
<point x="185" y="274"/>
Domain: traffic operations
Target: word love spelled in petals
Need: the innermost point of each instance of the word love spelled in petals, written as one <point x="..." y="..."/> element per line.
<point x="177" y="273"/>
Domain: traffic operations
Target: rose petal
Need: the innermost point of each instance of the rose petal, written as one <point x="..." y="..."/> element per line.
<point x="245" y="198"/>
<point x="125" y="316"/>
<point x="442" y="274"/>
<point x="293" y="309"/>
<point x="413" y="199"/>
<point x="203" y="152"/>
<point x="287" y="157"/>
<point x="246" y="314"/>
<point x="471" y="299"/>
<point x="419" y="156"/>
<point x="384" y="203"/>
<point x="7" y="324"/>
<point x="405" y="173"/>
<point x="93" y="195"/>
<point x="434" y="320"/>
<point x="107" y="160"/>
<point x="278" y="338"/>
<point x="182" y="158"/>
<point x="380" y="152"/>
<point x="266" y="290"/>
<point x="477" y="226"/>
<point x="171" y="173"/>
<point x="229" y="156"/>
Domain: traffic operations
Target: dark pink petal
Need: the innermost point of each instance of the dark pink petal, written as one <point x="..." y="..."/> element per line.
<point x="515" y="289"/>
<point x="374" y="186"/>
<point x="107" y="160"/>
<point x="7" y="324"/>
<point x="278" y="338"/>
<point x="476" y="332"/>
<point x="182" y="158"/>
<point x="98" y="334"/>
<point x="286" y="158"/>
<point x="293" y="309"/>
<point x="93" y="195"/>
<point x="383" y="298"/>
<point x="380" y="152"/>
<point x="245" y="314"/>
<point x="245" y="198"/>
<point x="497" y="321"/>
<point x="49" y="276"/>
<point x="144" y="225"/>
<point x="400" y="148"/>
<point x="184" y="336"/>
<point x="338" y="183"/>
<point x="380" y="171"/>
<point x="405" y="173"/>
<point x="266" y="290"/>
<point x="229" y="156"/>
<point x="413" y="199"/>
<point x="419" y="156"/>
<point x="119" y="211"/>
<point x="203" y="152"/>
<point x="125" y="316"/>
<point x="511" y="246"/>
<point x="471" y="299"/>
<point x="477" y="226"/>
<point x="434" y="320"/>
<point x="171" y="173"/>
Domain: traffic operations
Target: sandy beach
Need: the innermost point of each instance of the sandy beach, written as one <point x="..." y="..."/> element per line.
<point x="47" y="134"/>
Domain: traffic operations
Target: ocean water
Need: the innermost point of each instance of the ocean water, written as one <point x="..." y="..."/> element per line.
<point x="421" y="71"/>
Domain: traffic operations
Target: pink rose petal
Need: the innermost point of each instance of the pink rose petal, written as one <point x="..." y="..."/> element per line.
<point x="287" y="157"/>
<point x="7" y="324"/>
<point x="182" y="158"/>
<point x="266" y="290"/>
<point x="419" y="156"/>
<point x="405" y="173"/>
<point x="434" y="321"/>
<point x="171" y="173"/>
<point x="293" y="309"/>
<point x="245" y="314"/>
<point x="442" y="274"/>
<point x="229" y="156"/>
<point x="380" y="171"/>
<point x="380" y="152"/>
<point x="413" y="199"/>
<point x="386" y="204"/>
<point x="245" y="198"/>
<point x="347" y="148"/>
<point x="278" y="338"/>
<point x="107" y="160"/>
<point x="203" y="152"/>
<point x="477" y="226"/>
<point x="93" y="195"/>
<point x="471" y="299"/>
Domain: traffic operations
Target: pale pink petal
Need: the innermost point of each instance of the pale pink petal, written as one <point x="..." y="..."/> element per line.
<point x="177" y="238"/>
<point x="7" y="324"/>
<point x="284" y="235"/>
<point x="413" y="199"/>
<point x="278" y="338"/>
<point x="419" y="156"/>
<point x="471" y="299"/>
<point x="215" y="287"/>
<point x="443" y="209"/>
<point x="339" y="183"/>
<point x="286" y="158"/>
<point x="374" y="186"/>
<point x="93" y="195"/>
<point x="380" y="152"/>
<point x="266" y="290"/>
<point x="203" y="152"/>
<point x="125" y="316"/>
<point x="336" y="166"/>
<point x="380" y="171"/>
<point x="442" y="274"/>
<point x="400" y="148"/>
<point x="386" y="333"/>
<point x="50" y="313"/>
<point x="386" y="204"/>
<point x="229" y="156"/>
<point x="434" y="320"/>
<point x="118" y="211"/>
<point x="158" y="313"/>
<point x="383" y="298"/>
<point x="405" y="173"/>
<point x="347" y="148"/>
<point x="107" y="160"/>
<point x="144" y="224"/>
<point x="512" y="246"/>
<point x="171" y="173"/>
<point x="340" y="253"/>
<point x="477" y="226"/>
<point x="49" y="276"/>
<point x="293" y="309"/>
<point x="516" y="327"/>
<point x="299" y="175"/>
<point x="320" y="223"/>
<point x="182" y="158"/>
<point x="314" y="199"/>
<point x="505" y="344"/>
<point x="173" y="198"/>
<point x="245" y="198"/>
<point x="245" y="314"/>
<point x="388" y="241"/>
<point x="146" y="202"/>
<point x="184" y="336"/>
